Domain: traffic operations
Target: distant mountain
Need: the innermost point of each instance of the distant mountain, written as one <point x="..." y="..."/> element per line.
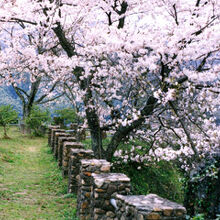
<point x="11" y="92"/>
<point x="8" y="97"/>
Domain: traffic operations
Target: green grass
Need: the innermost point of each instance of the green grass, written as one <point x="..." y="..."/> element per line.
<point x="31" y="185"/>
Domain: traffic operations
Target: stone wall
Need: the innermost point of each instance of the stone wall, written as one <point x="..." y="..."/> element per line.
<point x="57" y="135"/>
<point x="104" y="187"/>
<point x="67" y="146"/>
<point x="52" y="141"/>
<point x="50" y="132"/>
<point x="84" y="194"/>
<point x="76" y="155"/>
<point x="148" y="207"/>
<point x="101" y="194"/>
<point x="61" y="141"/>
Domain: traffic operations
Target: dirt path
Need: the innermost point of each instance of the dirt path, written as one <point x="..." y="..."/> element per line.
<point x="31" y="185"/>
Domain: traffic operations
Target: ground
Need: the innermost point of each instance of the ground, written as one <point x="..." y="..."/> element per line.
<point x="31" y="185"/>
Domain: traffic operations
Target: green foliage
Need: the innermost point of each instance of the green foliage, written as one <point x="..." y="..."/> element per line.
<point x="198" y="217"/>
<point x="66" y="116"/>
<point x="161" y="178"/>
<point x="37" y="120"/>
<point x="201" y="189"/>
<point x="7" y="115"/>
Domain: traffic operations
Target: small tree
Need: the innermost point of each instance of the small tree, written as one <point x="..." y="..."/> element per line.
<point x="67" y="116"/>
<point x="7" y="116"/>
<point x="37" y="119"/>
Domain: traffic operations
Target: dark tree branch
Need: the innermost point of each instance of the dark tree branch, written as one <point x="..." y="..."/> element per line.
<point x="185" y="129"/>
<point x="175" y="14"/>
<point x="17" y="20"/>
<point x="124" y="6"/>
<point x="21" y="90"/>
<point x="45" y="95"/>
<point x="66" y="45"/>
<point x="197" y="3"/>
<point x="109" y="18"/>
<point x="124" y="131"/>
<point x="50" y="100"/>
<point x="19" y="94"/>
<point x="203" y="62"/>
<point x="168" y="127"/>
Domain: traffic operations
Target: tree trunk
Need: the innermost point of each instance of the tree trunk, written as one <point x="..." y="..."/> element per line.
<point x="5" y="132"/>
<point x="124" y="131"/>
<point x="96" y="133"/>
<point x="26" y="112"/>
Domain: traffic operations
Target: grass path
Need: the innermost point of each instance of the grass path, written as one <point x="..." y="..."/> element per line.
<point x="31" y="185"/>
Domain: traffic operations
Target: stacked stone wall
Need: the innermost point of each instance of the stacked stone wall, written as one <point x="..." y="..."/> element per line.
<point x="56" y="142"/>
<point x="84" y="194"/>
<point x="104" y="187"/>
<point x="50" y="132"/>
<point x="101" y="194"/>
<point x="67" y="146"/>
<point x="76" y="155"/>
<point x="61" y="141"/>
<point x="148" y="207"/>
<point x="53" y="132"/>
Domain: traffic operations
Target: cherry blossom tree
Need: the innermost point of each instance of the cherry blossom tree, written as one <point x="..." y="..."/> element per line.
<point x="147" y="69"/>
<point x="21" y="68"/>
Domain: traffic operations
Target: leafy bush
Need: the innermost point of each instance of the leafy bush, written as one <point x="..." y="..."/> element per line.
<point x="66" y="116"/>
<point x="198" y="217"/>
<point x="202" y="194"/>
<point x="37" y="120"/>
<point x="159" y="177"/>
<point x="7" y="115"/>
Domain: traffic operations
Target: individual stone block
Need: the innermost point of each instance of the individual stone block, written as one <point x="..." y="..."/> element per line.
<point x="148" y="207"/>
<point x="105" y="186"/>
<point x="87" y="167"/>
<point x="76" y="155"/>
<point x="61" y="141"/>
<point x="53" y="131"/>
<point x="57" y="135"/>
<point x="50" y="131"/>
<point x="72" y="132"/>
<point x="66" y="154"/>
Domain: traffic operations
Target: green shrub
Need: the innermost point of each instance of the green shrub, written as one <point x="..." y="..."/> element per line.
<point x="161" y="178"/>
<point x="66" y="116"/>
<point x="148" y="176"/>
<point x="37" y="121"/>
<point x="198" y="217"/>
<point x="7" y="115"/>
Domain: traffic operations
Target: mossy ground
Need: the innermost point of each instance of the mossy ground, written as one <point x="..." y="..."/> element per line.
<point x="31" y="185"/>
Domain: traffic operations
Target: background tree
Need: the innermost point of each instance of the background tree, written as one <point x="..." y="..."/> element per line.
<point x="37" y="120"/>
<point x="7" y="115"/>
<point x="22" y="70"/>
<point x="67" y="116"/>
